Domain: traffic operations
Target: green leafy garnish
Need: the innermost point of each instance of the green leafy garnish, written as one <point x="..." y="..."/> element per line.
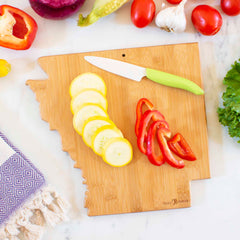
<point x="229" y="114"/>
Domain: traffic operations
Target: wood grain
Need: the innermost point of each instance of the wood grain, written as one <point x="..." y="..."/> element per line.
<point x="139" y="186"/>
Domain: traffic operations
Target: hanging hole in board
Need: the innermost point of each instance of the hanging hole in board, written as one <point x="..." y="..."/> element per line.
<point x="123" y="55"/>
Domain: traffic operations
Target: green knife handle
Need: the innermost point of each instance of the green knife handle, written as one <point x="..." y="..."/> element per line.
<point x="173" y="81"/>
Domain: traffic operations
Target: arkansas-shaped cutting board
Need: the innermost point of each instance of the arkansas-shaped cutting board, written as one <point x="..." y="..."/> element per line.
<point x="139" y="186"/>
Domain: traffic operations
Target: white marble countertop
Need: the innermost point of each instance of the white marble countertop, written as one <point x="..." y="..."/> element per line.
<point x="215" y="207"/>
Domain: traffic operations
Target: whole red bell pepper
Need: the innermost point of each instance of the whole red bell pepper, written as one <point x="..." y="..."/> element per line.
<point x="167" y="154"/>
<point x="139" y="112"/>
<point x="17" y="28"/>
<point x="155" y="159"/>
<point x="180" y="147"/>
<point x="143" y="128"/>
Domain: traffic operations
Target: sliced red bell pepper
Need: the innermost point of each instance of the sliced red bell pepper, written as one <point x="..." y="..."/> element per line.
<point x="167" y="154"/>
<point x="139" y="112"/>
<point x="180" y="147"/>
<point x="17" y="28"/>
<point x="155" y="159"/>
<point x="143" y="127"/>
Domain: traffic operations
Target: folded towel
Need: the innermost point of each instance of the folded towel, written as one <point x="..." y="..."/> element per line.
<point x="27" y="204"/>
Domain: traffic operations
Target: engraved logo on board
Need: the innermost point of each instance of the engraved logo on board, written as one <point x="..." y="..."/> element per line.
<point x="175" y="201"/>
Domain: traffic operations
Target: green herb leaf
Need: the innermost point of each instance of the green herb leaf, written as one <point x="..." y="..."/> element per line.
<point x="229" y="115"/>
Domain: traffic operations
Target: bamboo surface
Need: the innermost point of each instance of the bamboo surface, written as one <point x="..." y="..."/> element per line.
<point x="139" y="186"/>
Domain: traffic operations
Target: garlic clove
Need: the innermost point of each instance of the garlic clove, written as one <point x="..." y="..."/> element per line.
<point x="172" y="19"/>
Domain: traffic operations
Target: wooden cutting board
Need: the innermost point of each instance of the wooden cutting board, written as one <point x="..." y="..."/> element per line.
<point x="139" y="186"/>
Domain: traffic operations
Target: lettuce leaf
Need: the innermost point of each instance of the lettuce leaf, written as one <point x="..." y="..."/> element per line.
<point x="229" y="114"/>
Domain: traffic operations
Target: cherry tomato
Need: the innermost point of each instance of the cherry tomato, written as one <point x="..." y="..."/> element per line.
<point x="174" y="1"/>
<point x="142" y="12"/>
<point x="231" y="7"/>
<point x="206" y="19"/>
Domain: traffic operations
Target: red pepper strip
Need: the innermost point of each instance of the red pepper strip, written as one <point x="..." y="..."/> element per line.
<point x="143" y="128"/>
<point x="167" y="154"/>
<point x="139" y="112"/>
<point x="152" y="157"/>
<point x="17" y="28"/>
<point x="180" y="147"/>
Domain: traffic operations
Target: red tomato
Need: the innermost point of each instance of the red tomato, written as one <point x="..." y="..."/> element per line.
<point x="231" y="7"/>
<point x="142" y="12"/>
<point x="174" y="1"/>
<point x="206" y="19"/>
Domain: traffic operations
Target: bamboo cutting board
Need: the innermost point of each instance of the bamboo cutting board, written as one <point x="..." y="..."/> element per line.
<point x="139" y="186"/>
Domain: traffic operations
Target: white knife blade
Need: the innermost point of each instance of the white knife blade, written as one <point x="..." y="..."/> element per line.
<point x="123" y="69"/>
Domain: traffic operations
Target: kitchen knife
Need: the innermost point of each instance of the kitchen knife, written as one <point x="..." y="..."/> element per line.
<point x="136" y="73"/>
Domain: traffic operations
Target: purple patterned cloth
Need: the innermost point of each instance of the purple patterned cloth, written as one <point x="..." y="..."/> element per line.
<point x="19" y="179"/>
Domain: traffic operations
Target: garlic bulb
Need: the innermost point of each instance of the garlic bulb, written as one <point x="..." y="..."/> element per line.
<point x="172" y="19"/>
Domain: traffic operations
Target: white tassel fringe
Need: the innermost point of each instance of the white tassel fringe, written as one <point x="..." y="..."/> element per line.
<point x="53" y="210"/>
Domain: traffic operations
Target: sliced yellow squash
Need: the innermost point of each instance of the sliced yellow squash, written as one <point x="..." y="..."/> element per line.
<point x="102" y="135"/>
<point x="91" y="121"/>
<point x="92" y="125"/>
<point x="86" y="111"/>
<point x="87" y="81"/>
<point x="117" y="152"/>
<point x="88" y="96"/>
